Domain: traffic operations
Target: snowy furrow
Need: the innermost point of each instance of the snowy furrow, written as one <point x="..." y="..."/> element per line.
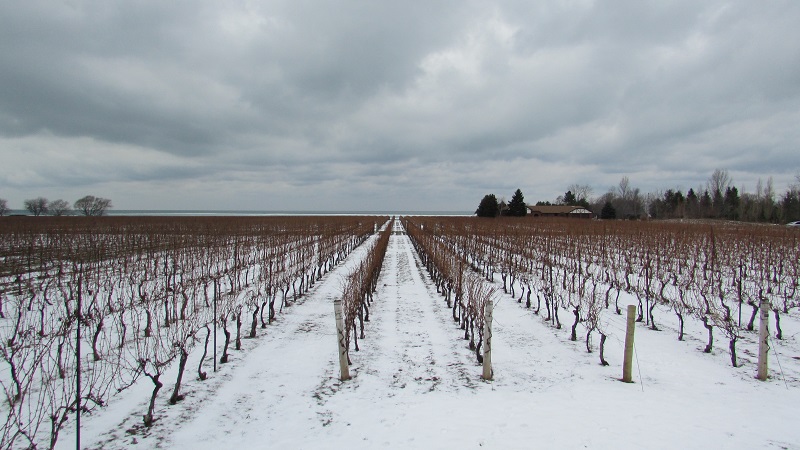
<point x="418" y="343"/>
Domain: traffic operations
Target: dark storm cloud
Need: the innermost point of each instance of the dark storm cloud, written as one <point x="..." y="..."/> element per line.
<point x="291" y="98"/>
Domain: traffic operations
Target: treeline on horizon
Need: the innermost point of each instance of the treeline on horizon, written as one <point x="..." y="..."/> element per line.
<point x="39" y="206"/>
<point x="718" y="199"/>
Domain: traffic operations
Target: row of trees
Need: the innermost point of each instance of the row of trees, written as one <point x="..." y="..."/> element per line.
<point x="722" y="200"/>
<point x="718" y="199"/>
<point x="489" y="206"/>
<point x="708" y="273"/>
<point x="87" y="206"/>
<point x="88" y="308"/>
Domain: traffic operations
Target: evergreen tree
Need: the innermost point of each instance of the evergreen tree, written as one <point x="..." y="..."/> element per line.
<point x="790" y="205"/>
<point x="717" y="204"/>
<point x="569" y="198"/>
<point x="692" y="205"/>
<point x="488" y="207"/>
<point x="674" y="201"/>
<point x="658" y="208"/>
<point x="706" y="205"/>
<point x="679" y="205"/>
<point x="516" y="207"/>
<point x="731" y="203"/>
<point x="608" y="211"/>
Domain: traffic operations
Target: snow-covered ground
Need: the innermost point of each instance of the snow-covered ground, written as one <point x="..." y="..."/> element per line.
<point x="416" y="384"/>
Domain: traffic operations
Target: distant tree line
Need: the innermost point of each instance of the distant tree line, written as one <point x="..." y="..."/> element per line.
<point x="718" y="199"/>
<point x="722" y="200"/>
<point x="87" y="206"/>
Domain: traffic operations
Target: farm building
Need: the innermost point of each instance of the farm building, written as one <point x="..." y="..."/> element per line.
<point x="559" y="211"/>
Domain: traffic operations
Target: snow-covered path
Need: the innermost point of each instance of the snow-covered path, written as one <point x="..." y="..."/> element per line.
<point x="272" y="393"/>
<point x="416" y="384"/>
<point x="416" y="347"/>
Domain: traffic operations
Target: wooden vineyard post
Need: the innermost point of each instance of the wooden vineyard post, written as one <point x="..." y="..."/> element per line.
<point x="344" y="369"/>
<point x="627" y="365"/>
<point x="487" y="341"/>
<point x="763" y="336"/>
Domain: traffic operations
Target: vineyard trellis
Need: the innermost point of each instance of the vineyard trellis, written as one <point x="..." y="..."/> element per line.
<point x="449" y="263"/>
<point x="358" y="288"/>
<point x="706" y="271"/>
<point x="90" y="305"/>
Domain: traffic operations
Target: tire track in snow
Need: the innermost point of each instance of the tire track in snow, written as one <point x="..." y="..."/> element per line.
<point x="411" y="342"/>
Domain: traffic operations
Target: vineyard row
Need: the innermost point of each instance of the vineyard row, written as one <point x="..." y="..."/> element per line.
<point x="709" y="272"/>
<point x="89" y="306"/>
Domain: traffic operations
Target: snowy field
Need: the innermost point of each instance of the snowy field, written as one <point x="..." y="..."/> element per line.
<point x="416" y="384"/>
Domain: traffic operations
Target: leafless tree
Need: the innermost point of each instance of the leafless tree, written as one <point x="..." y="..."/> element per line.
<point x="581" y="191"/>
<point x="92" y="206"/>
<point x="3" y="207"/>
<point x="719" y="181"/>
<point x="37" y="206"/>
<point x="628" y="201"/>
<point x="59" y="207"/>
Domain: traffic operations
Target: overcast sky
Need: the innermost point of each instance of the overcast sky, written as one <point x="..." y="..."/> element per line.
<point x="369" y="105"/>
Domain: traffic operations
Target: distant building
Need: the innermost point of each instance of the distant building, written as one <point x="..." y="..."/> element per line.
<point x="578" y="212"/>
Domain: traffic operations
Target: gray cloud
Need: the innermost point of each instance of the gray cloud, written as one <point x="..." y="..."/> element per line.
<point x="364" y="105"/>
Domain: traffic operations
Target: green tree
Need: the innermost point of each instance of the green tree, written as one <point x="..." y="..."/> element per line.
<point x="569" y="198"/>
<point x="790" y="205"/>
<point x="692" y="205"/>
<point x="516" y="207"/>
<point x="706" y="205"/>
<point x="675" y="202"/>
<point x="731" y="203"/>
<point x="488" y="207"/>
<point x="658" y="209"/>
<point x="608" y="211"/>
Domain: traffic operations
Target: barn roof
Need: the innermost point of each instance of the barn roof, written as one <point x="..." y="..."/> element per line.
<point x="558" y="209"/>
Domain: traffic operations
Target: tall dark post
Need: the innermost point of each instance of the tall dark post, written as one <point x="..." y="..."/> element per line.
<point x="78" y="361"/>
<point x="216" y="289"/>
